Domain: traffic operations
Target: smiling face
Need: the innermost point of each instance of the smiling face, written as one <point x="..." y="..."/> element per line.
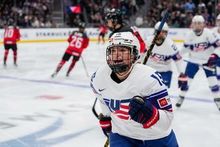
<point x="122" y="53"/>
<point x="120" y="59"/>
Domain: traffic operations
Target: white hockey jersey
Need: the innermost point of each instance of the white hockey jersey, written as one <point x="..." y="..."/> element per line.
<point x="163" y="55"/>
<point x="115" y="98"/>
<point x="199" y="47"/>
<point x="215" y="31"/>
<point x="217" y="35"/>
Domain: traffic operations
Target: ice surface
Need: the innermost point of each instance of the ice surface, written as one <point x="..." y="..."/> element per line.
<point x="37" y="111"/>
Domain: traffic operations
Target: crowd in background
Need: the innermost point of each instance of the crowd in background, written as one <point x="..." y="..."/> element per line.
<point x="26" y="13"/>
<point x="95" y="10"/>
<point x="142" y="13"/>
<point x="182" y="12"/>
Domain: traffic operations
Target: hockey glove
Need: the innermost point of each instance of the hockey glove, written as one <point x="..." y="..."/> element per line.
<point x="212" y="61"/>
<point x="105" y="123"/>
<point x="142" y="111"/>
<point x="182" y="82"/>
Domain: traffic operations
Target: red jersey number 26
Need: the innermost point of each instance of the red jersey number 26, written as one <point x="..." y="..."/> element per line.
<point x="76" y="42"/>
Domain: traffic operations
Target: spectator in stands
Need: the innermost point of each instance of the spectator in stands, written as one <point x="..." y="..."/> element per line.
<point x="26" y="13"/>
<point x="181" y="12"/>
<point x="189" y="6"/>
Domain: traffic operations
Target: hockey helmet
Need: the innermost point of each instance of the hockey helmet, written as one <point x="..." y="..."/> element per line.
<point x="165" y="26"/>
<point x="11" y="22"/>
<point x="198" y="18"/>
<point x="162" y="36"/>
<point x="115" y="15"/>
<point x="82" y="25"/>
<point x="122" y="51"/>
<point x="198" y="24"/>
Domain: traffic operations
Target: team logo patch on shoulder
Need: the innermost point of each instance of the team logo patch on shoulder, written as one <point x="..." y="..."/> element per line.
<point x="163" y="102"/>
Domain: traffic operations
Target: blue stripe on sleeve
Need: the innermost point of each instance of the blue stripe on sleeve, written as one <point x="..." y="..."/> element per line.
<point x="176" y="56"/>
<point x="189" y="46"/>
<point x="157" y="96"/>
<point x="216" y="44"/>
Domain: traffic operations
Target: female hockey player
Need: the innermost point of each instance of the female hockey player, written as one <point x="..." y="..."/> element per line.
<point x="163" y="53"/>
<point x="200" y="44"/>
<point x="115" y="24"/>
<point x="136" y="109"/>
<point x="11" y="37"/>
<point x="78" y="42"/>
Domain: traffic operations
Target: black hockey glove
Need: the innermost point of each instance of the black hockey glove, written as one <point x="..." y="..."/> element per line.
<point x="183" y="82"/>
<point x="212" y="61"/>
<point x="142" y="111"/>
<point x="105" y="123"/>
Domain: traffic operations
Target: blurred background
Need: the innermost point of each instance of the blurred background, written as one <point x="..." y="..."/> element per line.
<point x="67" y="13"/>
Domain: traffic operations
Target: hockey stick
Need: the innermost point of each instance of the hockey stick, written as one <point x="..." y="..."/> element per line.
<point x="96" y="115"/>
<point x="205" y="66"/>
<point x="149" y="52"/>
<point x="106" y="143"/>
<point x="93" y="108"/>
<point x="85" y="68"/>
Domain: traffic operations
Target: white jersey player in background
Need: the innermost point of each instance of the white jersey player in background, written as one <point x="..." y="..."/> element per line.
<point x="163" y="53"/>
<point x="136" y="108"/>
<point x="216" y="62"/>
<point x="216" y="57"/>
<point x="200" y="44"/>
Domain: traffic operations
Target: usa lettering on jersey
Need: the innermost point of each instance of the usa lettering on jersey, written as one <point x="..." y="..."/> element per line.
<point x="119" y="108"/>
<point x="201" y="46"/>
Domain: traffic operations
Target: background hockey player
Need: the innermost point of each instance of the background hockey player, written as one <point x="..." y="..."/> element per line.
<point x="215" y="62"/>
<point x="200" y="43"/>
<point x="163" y="53"/>
<point x="11" y="37"/>
<point x="115" y="24"/>
<point x="136" y="109"/>
<point x="102" y="31"/>
<point x="216" y="58"/>
<point x="78" y="41"/>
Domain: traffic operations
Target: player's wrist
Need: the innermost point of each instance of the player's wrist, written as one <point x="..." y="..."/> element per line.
<point x="153" y="119"/>
<point x="105" y="124"/>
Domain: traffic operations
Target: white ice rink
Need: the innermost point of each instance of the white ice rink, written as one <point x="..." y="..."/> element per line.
<point x="37" y="111"/>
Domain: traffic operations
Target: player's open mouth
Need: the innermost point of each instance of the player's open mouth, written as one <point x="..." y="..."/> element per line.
<point x="118" y="62"/>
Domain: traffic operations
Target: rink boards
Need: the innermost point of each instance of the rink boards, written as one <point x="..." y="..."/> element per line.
<point x="61" y="34"/>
